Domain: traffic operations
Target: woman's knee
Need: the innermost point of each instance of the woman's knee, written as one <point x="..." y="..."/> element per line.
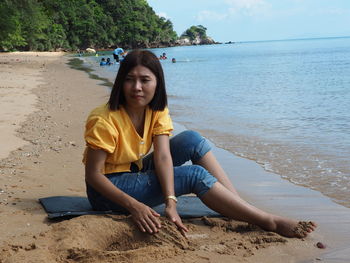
<point x="203" y="180"/>
<point x="190" y="137"/>
<point x="193" y="142"/>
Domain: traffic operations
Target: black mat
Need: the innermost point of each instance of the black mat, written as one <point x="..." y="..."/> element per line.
<point x="70" y="206"/>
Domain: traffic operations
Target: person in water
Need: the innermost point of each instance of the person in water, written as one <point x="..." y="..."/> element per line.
<point x="118" y="52"/>
<point x="103" y="62"/>
<point x="108" y="62"/>
<point x="163" y="56"/>
<point x="121" y="175"/>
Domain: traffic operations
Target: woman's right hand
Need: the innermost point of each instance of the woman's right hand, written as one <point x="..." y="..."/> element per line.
<point x="145" y="218"/>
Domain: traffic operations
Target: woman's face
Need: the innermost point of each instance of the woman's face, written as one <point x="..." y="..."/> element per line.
<point x="139" y="87"/>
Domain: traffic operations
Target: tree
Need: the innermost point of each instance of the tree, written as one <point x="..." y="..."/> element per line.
<point x="34" y="22"/>
<point x="195" y="31"/>
<point x="10" y="27"/>
<point x="78" y="24"/>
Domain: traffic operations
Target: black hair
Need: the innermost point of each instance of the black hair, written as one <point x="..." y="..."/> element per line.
<point x="139" y="58"/>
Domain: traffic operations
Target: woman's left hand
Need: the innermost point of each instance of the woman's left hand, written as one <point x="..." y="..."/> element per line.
<point x="173" y="216"/>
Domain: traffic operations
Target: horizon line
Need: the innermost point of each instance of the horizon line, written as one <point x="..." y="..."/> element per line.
<point x="286" y="39"/>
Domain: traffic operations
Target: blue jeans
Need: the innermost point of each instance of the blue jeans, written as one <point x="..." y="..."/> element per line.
<point x="144" y="185"/>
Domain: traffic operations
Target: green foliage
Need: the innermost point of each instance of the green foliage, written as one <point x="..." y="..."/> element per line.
<point x="34" y="23"/>
<point x="78" y="24"/>
<point x="10" y="27"/>
<point x="195" y="31"/>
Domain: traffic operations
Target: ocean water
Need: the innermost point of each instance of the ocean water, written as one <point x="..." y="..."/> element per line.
<point x="283" y="104"/>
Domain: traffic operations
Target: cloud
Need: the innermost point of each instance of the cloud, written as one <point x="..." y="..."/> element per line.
<point x="210" y="15"/>
<point x="247" y="4"/>
<point x="163" y="14"/>
<point x="333" y="11"/>
<point x="236" y="8"/>
<point x="248" y="7"/>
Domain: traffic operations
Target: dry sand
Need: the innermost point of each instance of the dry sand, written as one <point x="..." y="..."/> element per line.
<point x="44" y="105"/>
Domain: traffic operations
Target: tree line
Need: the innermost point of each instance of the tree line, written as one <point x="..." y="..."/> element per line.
<point x="47" y="25"/>
<point x="78" y="24"/>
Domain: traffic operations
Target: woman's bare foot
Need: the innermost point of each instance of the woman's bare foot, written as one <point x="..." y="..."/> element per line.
<point x="291" y="228"/>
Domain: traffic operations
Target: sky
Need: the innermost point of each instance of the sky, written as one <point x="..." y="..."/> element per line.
<point x="256" y="20"/>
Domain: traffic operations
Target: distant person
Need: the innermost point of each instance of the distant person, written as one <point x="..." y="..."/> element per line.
<point x="173" y="60"/>
<point x="80" y="53"/>
<point x="122" y="175"/>
<point x="118" y="52"/>
<point x="103" y="62"/>
<point x="163" y="56"/>
<point x="108" y="62"/>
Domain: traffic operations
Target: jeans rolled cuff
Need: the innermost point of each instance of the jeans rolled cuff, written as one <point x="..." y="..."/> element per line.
<point x="206" y="183"/>
<point x="202" y="148"/>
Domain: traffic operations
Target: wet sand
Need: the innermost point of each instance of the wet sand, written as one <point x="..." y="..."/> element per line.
<point x="41" y="156"/>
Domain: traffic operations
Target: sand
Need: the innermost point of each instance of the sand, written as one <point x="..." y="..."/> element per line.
<point x="44" y="105"/>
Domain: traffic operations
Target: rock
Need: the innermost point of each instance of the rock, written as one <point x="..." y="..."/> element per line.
<point x="90" y="50"/>
<point x="207" y="41"/>
<point x="183" y="42"/>
<point x="320" y="245"/>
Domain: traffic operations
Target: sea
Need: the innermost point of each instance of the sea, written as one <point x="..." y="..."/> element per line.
<point x="283" y="104"/>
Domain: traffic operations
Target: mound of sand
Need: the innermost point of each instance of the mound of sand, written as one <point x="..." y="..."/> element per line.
<point x="113" y="238"/>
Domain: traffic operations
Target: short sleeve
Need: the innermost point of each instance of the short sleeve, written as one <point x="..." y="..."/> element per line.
<point x="99" y="134"/>
<point x="163" y="123"/>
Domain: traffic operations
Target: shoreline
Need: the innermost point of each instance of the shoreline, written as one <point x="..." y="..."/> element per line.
<point x="53" y="167"/>
<point x="274" y="194"/>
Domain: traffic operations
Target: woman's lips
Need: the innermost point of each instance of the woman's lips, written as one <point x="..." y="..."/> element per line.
<point x="137" y="97"/>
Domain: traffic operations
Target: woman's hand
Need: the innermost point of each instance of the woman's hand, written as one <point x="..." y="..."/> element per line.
<point x="173" y="216"/>
<point x="145" y="218"/>
<point x="165" y="172"/>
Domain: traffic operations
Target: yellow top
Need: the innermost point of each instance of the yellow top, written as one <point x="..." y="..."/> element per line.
<point x="113" y="132"/>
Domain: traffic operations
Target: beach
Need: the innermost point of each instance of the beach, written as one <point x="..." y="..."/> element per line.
<point x="44" y="107"/>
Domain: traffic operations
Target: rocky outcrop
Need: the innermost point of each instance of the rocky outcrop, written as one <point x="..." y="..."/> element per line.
<point x="185" y="41"/>
<point x="90" y="50"/>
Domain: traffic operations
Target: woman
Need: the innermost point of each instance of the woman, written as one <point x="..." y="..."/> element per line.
<point x="120" y="177"/>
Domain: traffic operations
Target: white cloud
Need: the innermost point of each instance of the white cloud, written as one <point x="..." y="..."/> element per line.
<point x="248" y="7"/>
<point x="333" y="11"/>
<point x="210" y="15"/>
<point x="235" y="8"/>
<point x="163" y="14"/>
<point x="245" y="4"/>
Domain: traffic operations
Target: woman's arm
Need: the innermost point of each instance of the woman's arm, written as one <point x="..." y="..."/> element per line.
<point x="165" y="172"/>
<point x="145" y="217"/>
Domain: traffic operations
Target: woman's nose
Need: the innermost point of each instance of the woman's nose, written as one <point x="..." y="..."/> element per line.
<point x="137" y="85"/>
